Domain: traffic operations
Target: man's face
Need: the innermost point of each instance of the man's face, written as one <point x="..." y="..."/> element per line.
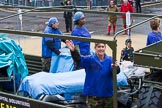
<point x="82" y="21"/>
<point x="100" y="49"/>
<point x="55" y="26"/>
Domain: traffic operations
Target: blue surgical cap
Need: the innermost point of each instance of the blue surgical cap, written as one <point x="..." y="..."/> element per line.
<point x="78" y="16"/>
<point x="52" y="20"/>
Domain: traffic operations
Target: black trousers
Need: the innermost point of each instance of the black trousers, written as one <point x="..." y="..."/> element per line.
<point x="68" y="23"/>
<point x="138" y="6"/>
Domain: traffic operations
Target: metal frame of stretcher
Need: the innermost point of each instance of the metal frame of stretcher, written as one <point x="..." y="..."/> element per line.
<point x="135" y="83"/>
<point x="76" y="100"/>
<point x="124" y="93"/>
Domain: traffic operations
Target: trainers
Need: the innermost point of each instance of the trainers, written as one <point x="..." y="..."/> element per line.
<point x="108" y="33"/>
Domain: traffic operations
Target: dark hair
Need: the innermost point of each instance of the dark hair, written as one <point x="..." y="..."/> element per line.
<point x="67" y="2"/>
<point x="96" y="44"/>
<point x="154" y="23"/>
<point x="127" y="41"/>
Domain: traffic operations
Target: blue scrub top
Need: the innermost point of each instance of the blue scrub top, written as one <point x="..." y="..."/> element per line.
<point x="153" y="37"/>
<point x="46" y="52"/>
<point x="83" y="46"/>
<point x="98" y="81"/>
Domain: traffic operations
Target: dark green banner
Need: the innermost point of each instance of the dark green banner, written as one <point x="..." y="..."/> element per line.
<point x="14" y="101"/>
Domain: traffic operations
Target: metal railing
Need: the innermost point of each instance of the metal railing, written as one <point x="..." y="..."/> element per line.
<point x="117" y="33"/>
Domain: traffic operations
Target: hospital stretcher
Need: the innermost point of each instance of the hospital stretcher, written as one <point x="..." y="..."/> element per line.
<point x="60" y="81"/>
<point x="55" y="85"/>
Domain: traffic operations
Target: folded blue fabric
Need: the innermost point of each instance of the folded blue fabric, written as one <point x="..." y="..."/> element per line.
<point x="63" y="62"/>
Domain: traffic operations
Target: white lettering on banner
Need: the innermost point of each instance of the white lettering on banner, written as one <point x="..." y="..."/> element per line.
<point x="4" y="99"/>
<point x="13" y="101"/>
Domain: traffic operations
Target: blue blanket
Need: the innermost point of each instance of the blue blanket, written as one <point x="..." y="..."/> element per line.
<point x="51" y="84"/>
<point x="58" y="83"/>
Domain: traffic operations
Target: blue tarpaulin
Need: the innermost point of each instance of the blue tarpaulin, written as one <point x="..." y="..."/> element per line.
<point x="11" y="56"/>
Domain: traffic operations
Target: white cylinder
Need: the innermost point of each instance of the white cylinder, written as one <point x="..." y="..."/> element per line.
<point x="128" y="20"/>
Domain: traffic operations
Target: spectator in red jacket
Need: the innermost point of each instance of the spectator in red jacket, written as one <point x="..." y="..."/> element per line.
<point x="125" y="7"/>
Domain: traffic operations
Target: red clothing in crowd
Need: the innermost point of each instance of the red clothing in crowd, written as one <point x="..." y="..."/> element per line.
<point x="126" y="8"/>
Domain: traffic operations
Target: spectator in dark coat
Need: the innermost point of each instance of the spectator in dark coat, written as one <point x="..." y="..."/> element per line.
<point x="68" y="17"/>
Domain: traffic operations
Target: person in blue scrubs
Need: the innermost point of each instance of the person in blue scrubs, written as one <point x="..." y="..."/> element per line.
<point x="50" y="45"/>
<point x="98" y="86"/>
<point x="80" y="30"/>
<point x="155" y="34"/>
